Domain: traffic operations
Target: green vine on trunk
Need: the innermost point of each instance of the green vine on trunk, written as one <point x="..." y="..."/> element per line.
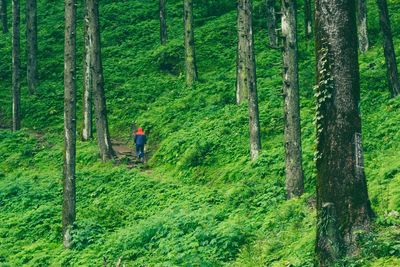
<point x="323" y="92"/>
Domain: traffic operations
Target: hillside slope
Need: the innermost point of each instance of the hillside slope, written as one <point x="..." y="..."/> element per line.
<point x="199" y="202"/>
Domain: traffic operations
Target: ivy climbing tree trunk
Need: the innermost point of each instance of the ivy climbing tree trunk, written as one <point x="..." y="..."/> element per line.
<point x="271" y="22"/>
<point x="69" y="197"/>
<point x="307" y="18"/>
<point x="190" y="55"/>
<point x="163" y="22"/>
<point x="16" y="65"/>
<point x="362" y="25"/>
<point x="103" y="135"/>
<point x="87" y="80"/>
<point x="343" y="206"/>
<point x="293" y="160"/>
<point x="3" y="15"/>
<point x="390" y="56"/>
<point x="246" y="72"/>
<point x="32" y="45"/>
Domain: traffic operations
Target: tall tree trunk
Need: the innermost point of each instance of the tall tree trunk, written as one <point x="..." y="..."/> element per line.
<point x="390" y="56"/>
<point x="254" y="121"/>
<point x="69" y="202"/>
<point x="190" y="55"/>
<point x="271" y="22"/>
<point x="103" y="135"/>
<point x="294" y="171"/>
<point x="362" y="25"/>
<point x="246" y="72"/>
<point x="3" y="15"/>
<point x="163" y="22"/>
<point x="31" y="37"/>
<point x="242" y="90"/>
<point x="343" y="207"/>
<point x="16" y="62"/>
<point x="307" y="18"/>
<point x="88" y="81"/>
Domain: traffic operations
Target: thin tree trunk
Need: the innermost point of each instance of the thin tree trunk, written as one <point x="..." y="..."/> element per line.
<point x="362" y="25"/>
<point x="16" y="62"/>
<point x="163" y="22"/>
<point x="103" y="135"/>
<point x="247" y="78"/>
<point x="242" y="90"/>
<point x="32" y="46"/>
<point x="190" y="55"/>
<point x="69" y="202"/>
<point x="294" y="171"/>
<point x="343" y="207"/>
<point x="3" y="15"/>
<point x="307" y="18"/>
<point x="88" y="81"/>
<point x="390" y="56"/>
<point x="271" y="22"/>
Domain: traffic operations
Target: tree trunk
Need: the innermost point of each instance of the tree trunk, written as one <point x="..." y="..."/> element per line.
<point x="294" y="171"/>
<point x="246" y="72"/>
<point x="242" y="90"/>
<point x="190" y="55"/>
<point x="69" y="202"/>
<point x="343" y="207"/>
<point x="3" y="15"/>
<point x="390" y="56"/>
<point x="307" y="18"/>
<point x="88" y="81"/>
<point x="362" y="25"/>
<point x="16" y="62"/>
<point x="271" y="21"/>
<point x="31" y="38"/>
<point x="103" y="135"/>
<point x="163" y="22"/>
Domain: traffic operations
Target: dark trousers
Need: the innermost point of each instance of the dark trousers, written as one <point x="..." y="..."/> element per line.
<point x="140" y="151"/>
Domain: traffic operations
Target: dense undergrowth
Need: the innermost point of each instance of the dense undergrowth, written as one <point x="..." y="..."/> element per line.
<point x="200" y="202"/>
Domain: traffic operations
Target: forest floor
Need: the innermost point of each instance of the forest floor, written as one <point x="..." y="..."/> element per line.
<point x="199" y="200"/>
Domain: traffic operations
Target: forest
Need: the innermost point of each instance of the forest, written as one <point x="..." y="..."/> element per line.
<point x="270" y="137"/>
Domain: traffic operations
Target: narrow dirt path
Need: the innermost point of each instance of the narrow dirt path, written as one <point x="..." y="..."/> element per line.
<point x="125" y="154"/>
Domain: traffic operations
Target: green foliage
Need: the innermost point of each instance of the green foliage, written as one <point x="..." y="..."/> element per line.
<point x="201" y="202"/>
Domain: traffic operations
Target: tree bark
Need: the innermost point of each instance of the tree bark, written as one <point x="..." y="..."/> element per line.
<point x="242" y="90"/>
<point x="163" y="22"/>
<point x="32" y="45"/>
<point x="16" y="64"/>
<point x="390" y="56"/>
<point x="3" y="15"/>
<point x="307" y="18"/>
<point x="254" y="121"/>
<point x="362" y="25"/>
<point x="88" y="81"/>
<point x="246" y="72"/>
<point x="69" y="197"/>
<point x="343" y="206"/>
<point x="100" y="109"/>
<point x="271" y="22"/>
<point x="294" y="171"/>
<point x="190" y="55"/>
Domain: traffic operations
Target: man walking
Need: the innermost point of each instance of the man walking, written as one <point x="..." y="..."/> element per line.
<point x="140" y="140"/>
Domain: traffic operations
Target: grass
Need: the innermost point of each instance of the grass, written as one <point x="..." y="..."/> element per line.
<point x="201" y="202"/>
